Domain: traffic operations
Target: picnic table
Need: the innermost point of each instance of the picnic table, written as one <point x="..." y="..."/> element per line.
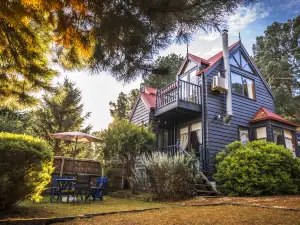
<point x="74" y="187"/>
<point x="62" y="186"/>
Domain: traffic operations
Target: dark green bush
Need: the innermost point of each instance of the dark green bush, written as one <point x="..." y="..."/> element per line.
<point x="25" y="168"/>
<point x="257" y="168"/>
<point x="171" y="178"/>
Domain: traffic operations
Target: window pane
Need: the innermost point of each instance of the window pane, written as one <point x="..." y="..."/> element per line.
<point x="290" y="141"/>
<point x="277" y="135"/>
<point x="233" y="62"/>
<point x="237" y="85"/>
<point x="244" y="135"/>
<point x="193" y="77"/>
<point x="261" y="133"/>
<point x="237" y="57"/>
<point x="248" y="68"/>
<point x="248" y="88"/>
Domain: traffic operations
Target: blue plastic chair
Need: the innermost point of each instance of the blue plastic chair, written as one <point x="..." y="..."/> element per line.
<point x="98" y="190"/>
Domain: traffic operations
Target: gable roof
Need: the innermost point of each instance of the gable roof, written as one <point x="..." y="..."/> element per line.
<point x="149" y="97"/>
<point x="217" y="57"/>
<point x="265" y="114"/>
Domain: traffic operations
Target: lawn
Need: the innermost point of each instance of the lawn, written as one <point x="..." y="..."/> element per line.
<point x="184" y="212"/>
<point x="45" y="209"/>
<point x="198" y="215"/>
<point x="292" y="201"/>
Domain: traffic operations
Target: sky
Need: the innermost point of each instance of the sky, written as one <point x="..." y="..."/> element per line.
<point x="250" y="22"/>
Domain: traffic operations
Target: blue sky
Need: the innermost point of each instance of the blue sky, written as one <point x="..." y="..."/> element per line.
<point x="98" y="90"/>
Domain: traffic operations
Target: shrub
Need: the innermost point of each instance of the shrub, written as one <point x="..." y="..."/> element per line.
<point x="257" y="168"/>
<point x="25" y="168"/>
<point x="170" y="178"/>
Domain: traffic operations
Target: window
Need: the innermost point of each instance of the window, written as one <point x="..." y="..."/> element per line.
<point x="184" y="137"/>
<point x="278" y="136"/>
<point x="290" y="141"/>
<point x="193" y="77"/>
<point x="261" y="133"/>
<point x="284" y="137"/>
<point x="242" y="85"/>
<point x="163" y="138"/>
<point x="196" y="136"/>
<point x="193" y="139"/>
<point x="244" y="135"/>
<point x="239" y="60"/>
<point x="248" y="88"/>
<point x="237" y="84"/>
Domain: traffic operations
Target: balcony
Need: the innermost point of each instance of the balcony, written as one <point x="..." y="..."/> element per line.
<point x="178" y="96"/>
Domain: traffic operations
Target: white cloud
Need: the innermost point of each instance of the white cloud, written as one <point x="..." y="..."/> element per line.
<point x="246" y="15"/>
<point x="209" y="36"/>
<point x="239" y="20"/>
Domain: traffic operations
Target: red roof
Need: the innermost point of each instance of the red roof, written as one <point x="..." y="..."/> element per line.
<point x="149" y="97"/>
<point x="265" y="114"/>
<point x="198" y="59"/>
<point x="214" y="59"/>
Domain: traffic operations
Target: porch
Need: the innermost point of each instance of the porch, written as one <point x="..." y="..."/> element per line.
<point x="180" y="137"/>
<point x="178" y="96"/>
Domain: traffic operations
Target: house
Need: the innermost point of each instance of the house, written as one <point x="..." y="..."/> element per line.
<point x="194" y="112"/>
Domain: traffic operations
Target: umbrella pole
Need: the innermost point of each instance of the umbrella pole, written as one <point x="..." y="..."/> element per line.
<point x="74" y="155"/>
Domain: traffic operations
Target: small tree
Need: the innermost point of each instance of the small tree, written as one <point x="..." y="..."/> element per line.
<point x="125" y="140"/>
<point x="257" y="168"/>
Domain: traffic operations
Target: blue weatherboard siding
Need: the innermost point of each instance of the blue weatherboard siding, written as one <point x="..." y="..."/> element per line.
<point x="218" y="134"/>
<point x="140" y="114"/>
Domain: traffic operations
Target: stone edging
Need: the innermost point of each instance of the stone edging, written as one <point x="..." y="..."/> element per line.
<point x="46" y="221"/>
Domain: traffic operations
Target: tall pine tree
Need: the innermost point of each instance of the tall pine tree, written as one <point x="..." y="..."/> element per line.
<point x="277" y="55"/>
<point x="61" y="111"/>
<point x="120" y="36"/>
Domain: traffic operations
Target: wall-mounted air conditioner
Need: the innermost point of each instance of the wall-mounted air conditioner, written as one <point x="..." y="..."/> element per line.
<point x="219" y="84"/>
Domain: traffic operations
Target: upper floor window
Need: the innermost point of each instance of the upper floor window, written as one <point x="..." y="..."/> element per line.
<point x="239" y="60"/>
<point x="242" y="85"/>
<point x="190" y="76"/>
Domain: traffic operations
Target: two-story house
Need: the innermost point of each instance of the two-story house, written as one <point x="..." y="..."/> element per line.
<point x="212" y="103"/>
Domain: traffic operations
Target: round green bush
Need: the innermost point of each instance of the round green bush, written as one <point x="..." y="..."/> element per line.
<point x="257" y="168"/>
<point x="25" y="168"/>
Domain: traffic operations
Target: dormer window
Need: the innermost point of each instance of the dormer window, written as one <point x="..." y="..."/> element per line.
<point x="240" y="61"/>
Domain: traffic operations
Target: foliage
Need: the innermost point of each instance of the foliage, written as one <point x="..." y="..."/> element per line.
<point x="61" y="111"/>
<point x="170" y="177"/>
<point x="18" y="122"/>
<point x="124" y="105"/>
<point x="124" y="140"/>
<point x="257" y="168"/>
<point x="169" y="66"/>
<point x="24" y="50"/>
<point x="277" y="55"/>
<point x="26" y="167"/>
<point x="120" y="36"/>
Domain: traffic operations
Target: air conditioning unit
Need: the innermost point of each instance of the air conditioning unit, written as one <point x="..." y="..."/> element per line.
<point x="219" y="84"/>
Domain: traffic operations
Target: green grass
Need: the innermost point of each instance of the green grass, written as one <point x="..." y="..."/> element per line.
<point x="45" y="209"/>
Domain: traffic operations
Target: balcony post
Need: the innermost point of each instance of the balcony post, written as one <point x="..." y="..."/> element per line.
<point x="178" y="89"/>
